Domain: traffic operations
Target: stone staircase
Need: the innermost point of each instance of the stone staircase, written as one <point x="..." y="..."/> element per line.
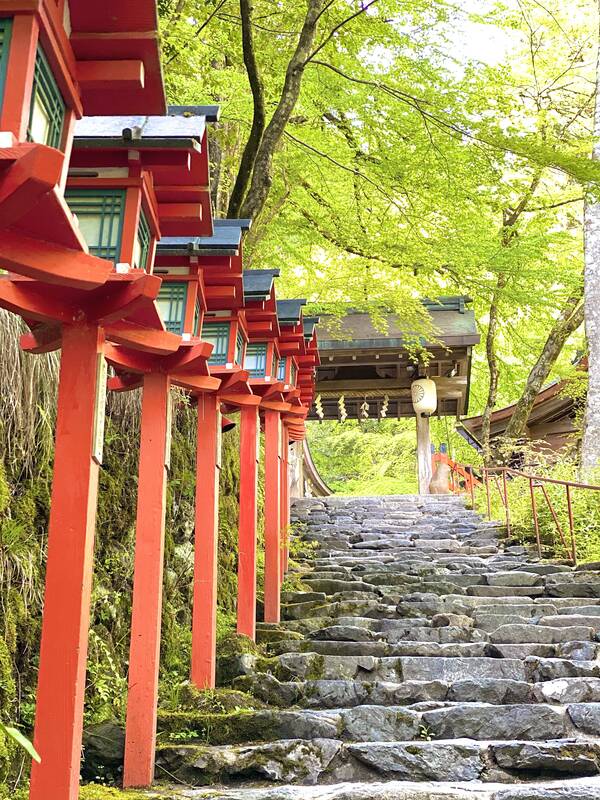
<point x="428" y="660"/>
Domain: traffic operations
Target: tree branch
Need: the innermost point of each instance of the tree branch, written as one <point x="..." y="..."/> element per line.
<point x="338" y="27"/>
<point x="200" y="28"/>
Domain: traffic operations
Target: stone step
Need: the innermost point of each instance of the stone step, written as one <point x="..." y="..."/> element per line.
<point x="518" y="634"/>
<point x="448" y="646"/>
<point x="305" y="762"/>
<point x="427" y="657"/>
<point x="349" y="693"/>
<point x="575" y="789"/>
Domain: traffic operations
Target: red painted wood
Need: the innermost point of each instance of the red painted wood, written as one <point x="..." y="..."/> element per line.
<point x="131" y="217"/>
<point x="140" y="338"/>
<point x="246" y="610"/>
<point x="124" y="75"/>
<point x="51" y="263"/>
<point x="18" y="83"/>
<point x="36" y="172"/>
<point x="285" y="500"/>
<point x="272" y="516"/>
<point x="63" y="653"/>
<point x="204" y="616"/>
<point x="142" y="698"/>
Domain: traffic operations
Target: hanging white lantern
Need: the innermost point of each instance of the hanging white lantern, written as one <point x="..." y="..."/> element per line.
<point x="424" y="396"/>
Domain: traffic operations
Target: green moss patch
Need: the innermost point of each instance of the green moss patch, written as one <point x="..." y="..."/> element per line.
<point x="235" y="727"/>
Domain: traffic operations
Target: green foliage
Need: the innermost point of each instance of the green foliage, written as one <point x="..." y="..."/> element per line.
<point x="365" y="458"/>
<point x="585" y="505"/>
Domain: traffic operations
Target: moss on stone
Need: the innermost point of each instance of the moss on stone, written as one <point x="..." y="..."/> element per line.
<point x="215" y="701"/>
<point x="231" y="651"/>
<point x="98" y="792"/>
<point x="234" y="727"/>
<point x="277" y="635"/>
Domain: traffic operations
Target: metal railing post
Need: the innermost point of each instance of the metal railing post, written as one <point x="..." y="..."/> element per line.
<point x="571" y="524"/>
<point x="506" y="501"/>
<point x="535" y="517"/>
<point x="487" y="492"/>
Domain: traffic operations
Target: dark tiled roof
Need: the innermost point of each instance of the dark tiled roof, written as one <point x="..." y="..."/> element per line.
<point x="309" y="326"/>
<point x="210" y="113"/>
<point x="289" y="311"/>
<point x="140" y="128"/>
<point x="258" y="283"/>
<point x="227" y="235"/>
<point x="451" y="318"/>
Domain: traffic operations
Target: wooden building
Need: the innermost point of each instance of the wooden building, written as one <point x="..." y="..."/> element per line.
<point x="550" y="424"/>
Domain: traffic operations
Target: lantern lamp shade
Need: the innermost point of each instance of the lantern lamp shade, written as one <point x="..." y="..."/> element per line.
<point x="100" y="216"/>
<point x="255" y="360"/>
<point x="217" y="333"/>
<point x="171" y="303"/>
<point x="424" y="396"/>
<point x="240" y="348"/>
<point x="47" y="111"/>
<point x="281" y="370"/>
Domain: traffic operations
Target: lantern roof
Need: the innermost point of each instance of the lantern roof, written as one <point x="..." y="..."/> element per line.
<point x="289" y="312"/>
<point x="145" y="131"/>
<point x="258" y="283"/>
<point x="211" y="113"/>
<point x="226" y="239"/>
<point x="309" y="324"/>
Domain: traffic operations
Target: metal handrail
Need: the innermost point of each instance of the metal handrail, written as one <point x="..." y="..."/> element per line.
<point x="536" y="481"/>
<point x="463" y="471"/>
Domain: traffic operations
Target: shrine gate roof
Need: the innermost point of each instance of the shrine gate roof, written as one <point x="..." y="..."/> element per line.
<point x="454" y="323"/>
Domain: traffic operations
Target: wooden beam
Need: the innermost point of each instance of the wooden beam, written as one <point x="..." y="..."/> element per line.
<point x="69" y="570"/>
<point x="125" y="383"/>
<point x="26" y="299"/>
<point x="142" y="697"/>
<point x="191" y="357"/>
<point x="51" y="263"/>
<point x="272" y="514"/>
<point x="200" y="383"/>
<point x="230" y="382"/>
<point x="121" y="74"/>
<point x="246" y="603"/>
<point x="37" y="170"/>
<point x="204" y="614"/>
<point x="114" y="302"/>
<point x="144" y="339"/>
<point x="42" y="339"/>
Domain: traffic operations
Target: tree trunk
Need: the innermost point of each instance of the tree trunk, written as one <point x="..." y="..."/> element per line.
<point x="510" y="218"/>
<point x="565" y="325"/>
<point x="262" y="171"/>
<point x="494" y="370"/>
<point x="590" y="448"/>
<point x="258" y="119"/>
